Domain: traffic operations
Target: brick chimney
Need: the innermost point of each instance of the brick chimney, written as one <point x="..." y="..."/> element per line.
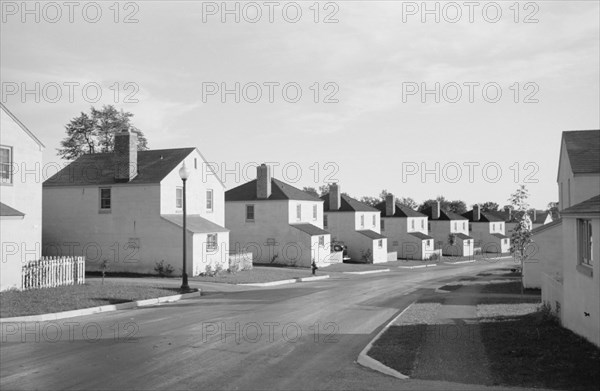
<point x="390" y="205"/>
<point x="263" y="181"/>
<point x="435" y="210"/>
<point x="335" y="198"/>
<point x="534" y="216"/>
<point x="476" y="212"/>
<point x="125" y="151"/>
<point x="508" y="213"/>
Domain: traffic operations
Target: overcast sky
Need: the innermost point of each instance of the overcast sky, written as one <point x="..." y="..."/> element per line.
<point x="371" y="63"/>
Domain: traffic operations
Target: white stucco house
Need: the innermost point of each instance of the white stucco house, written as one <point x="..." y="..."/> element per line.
<point x="355" y="224"/>
<point x="20" y="198"/>
<point x="578" y="179"/>
<point x="444" y="227"/>
<point x="127" y="207"/>
<point x="575" y="293"/>
<point x="277" y="223"/>
<point x="488" y="231"/>
<point x="406" y="230"/>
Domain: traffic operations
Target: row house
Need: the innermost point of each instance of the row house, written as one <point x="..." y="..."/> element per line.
<point x="488" y="230"/>
<point x="126" y="207"/>
<point x="355" y="224"/>
<point x="277" y="223"/>
<point x="450" y="231"/>
<point x="20" y="198"/>
<point x="406" y="230"/>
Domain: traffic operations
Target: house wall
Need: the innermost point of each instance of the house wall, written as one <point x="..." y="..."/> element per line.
<point x="574" y="189"/>
<point x="343" y="227"/>
<point x="545" y="256"/>
<point x="272" y="221"/>
<point x="21" y="238"/>
<point x="581" y="292"/>
<point x="197" y="185"/>
<point x="441" y="229"/>
<point x="482" y="231"/>
<point x="369" y="219"/>
<point x="398" y="240"/>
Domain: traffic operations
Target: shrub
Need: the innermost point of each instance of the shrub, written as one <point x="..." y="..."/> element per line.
<point x="366" y="256"/>
<point x="162" y="269"/>
<point x="434" y="257"/>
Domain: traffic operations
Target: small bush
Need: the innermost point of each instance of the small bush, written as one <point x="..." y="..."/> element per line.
<point x="162" y="269"/>
<point x="434" y="257"/>
<point x="367" y="256"/>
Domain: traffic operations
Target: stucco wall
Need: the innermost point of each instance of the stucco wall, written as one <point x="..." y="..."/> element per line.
<point x="581" y="292"/>
<point x="481" y="232"/>
<point x="545" y="256"/>
<point x="306" y="212"/>
<point x="408" y="246"/>
<point x="21" y="238"/>
<point x="343" y="227"/>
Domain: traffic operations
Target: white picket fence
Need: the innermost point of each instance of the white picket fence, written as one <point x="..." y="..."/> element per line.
<point x="49" y="272"/>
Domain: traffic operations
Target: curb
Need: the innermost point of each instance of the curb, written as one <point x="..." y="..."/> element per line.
<point x="370" y="362"/>
<point x="100" y="309"/>
<point x="459" y="262"/>
<point x="369" y="271"/>
<point x="417" y="266"/>
<point x="282" y="282"/>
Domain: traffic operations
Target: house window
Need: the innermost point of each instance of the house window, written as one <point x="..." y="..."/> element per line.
<point x="382" y="222"/>
<point x="584" y="242"/>
<point x="325" y="221"/>
<point x="179" y="198"/>
<point x="374" y="220"/>
<point x="299" y="212"/>
<point x="464" y="225"/>
<point x="412" y="224"/>
<point x="569" y="191"/>
<point x="422" y="223"/>
<point x="195" y="163"/>
<point x="322" y="241"/>
<point x="105" y="198"/>
<point x="380" y="243"/>
<point x="314" y="212"/>
<point x="362" y="221"/>
<point x="6" y="164"/>
<point x="209" y="200"/>
<point x="211" y="242"/>
<point x="455" y="226"/>
<point x="249" y="212"/>
<point x="429" y="226"/>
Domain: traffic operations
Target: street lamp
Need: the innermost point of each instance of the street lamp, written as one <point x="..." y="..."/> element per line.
<point x="184" y="174"/>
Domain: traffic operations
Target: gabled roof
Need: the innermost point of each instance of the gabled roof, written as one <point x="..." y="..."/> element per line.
<point x="446" y="216"/>
<point x="540" y="216"/>
<point x="420" y="235"/>
<point x="22" y="126"/>
<point x="6" y="210"/>
<point x="371" y="234"/>
<point x="348" y="204"/>
<point x="279" y="191"/>
<point x="544" y="227"/>
<point x="588" y="207"/>
<point x="310" y="229"/>
<point x="500" y="236"/>
<point x="484" y="217"/>
<point x="99" y="169"/>
<point x="583" y="150"/>
<point x="196" y="224"/>
<point x="401" y="211"/>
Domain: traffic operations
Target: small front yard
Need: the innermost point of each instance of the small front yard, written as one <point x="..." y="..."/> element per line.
<point x="260" y="274"/>
<point x="66" y="298"/>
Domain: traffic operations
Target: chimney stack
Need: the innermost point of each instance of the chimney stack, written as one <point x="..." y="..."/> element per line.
<point x="390" y="205"/>
<point x="534" y="216"/>
<point x="263" y="181"/>
<point x="508" y="213"/>
<point x="476" y="212"/>
<point x="335" y="198"/>
<point x="125" y="151"/>
<point x="435" y="210"/>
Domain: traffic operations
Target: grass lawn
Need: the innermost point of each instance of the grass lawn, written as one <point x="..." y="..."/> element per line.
<point x="534" y="351"/>
<point x="65" y="298"/>
<point x="398" y="347"/>
<point x="260" y="274"/>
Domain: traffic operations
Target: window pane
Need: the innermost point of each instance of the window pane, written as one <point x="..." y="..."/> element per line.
<point x="209" y="199"/>
<point x="105" y="199"/>
<point x="298" y="211"/>
<point x="249" y="212"/>
<point x="179" y="197"/>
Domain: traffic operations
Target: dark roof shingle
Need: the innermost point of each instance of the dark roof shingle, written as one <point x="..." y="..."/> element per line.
<point x="371" y="234"/>
<point x="444" y="215"/>
<point x="99" y="169"/>
<point x="310" y="229"/>
<point x="401" y="211"/>
<point x="420" y="235"/>
<point x="6" y="210"/>
<point x="589" y="206"/>
<point x="196" y="224"/>
<point x="583" y="149"/>
<point x="348" y="204"/>
<point x="484" y="217"/>
<point x="279" y="191"/>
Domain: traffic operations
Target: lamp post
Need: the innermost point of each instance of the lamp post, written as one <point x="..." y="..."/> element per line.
<point x="184" y="174"/>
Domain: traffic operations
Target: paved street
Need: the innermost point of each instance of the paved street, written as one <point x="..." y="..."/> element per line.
<point x="299" y="336"/>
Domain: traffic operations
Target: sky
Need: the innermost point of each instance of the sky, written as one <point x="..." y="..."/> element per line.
<point x="419" y="98"/>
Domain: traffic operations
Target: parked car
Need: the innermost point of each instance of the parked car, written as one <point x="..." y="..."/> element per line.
<point x="340" y="246"/>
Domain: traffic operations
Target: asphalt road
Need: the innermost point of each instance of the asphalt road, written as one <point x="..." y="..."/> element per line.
<point x="299" y="336"/>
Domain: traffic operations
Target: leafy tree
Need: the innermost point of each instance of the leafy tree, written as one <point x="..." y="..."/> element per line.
<point x="407" y="201"/>
<point x="489" y="207"/>
<point x="553" y="209"/>
<point x="521" y="236"/>
<point x="311" y="190"/>
<point x="456" y="206"/>
<point x="323" y="189"/>
<point x="371" y="201"/>
<point x="95" y="132"/>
